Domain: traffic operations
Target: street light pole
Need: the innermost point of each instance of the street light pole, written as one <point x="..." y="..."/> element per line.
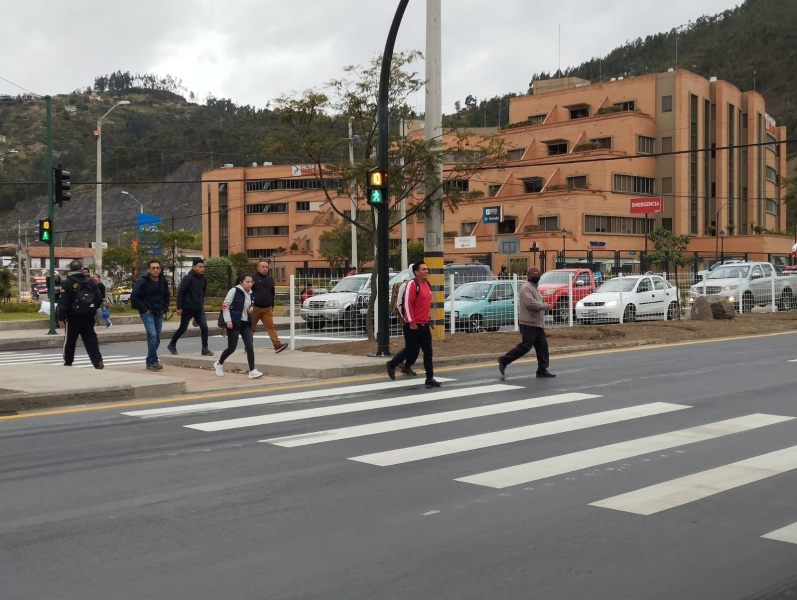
<point x="98" y="234"/>
<point x="722" y="251"/>
<point x="716" y="225"/>
<point x="564" y="241"/>
<point x="141" y="206"/>
<point x="174" y="247"/>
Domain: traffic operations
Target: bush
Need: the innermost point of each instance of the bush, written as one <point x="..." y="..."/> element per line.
<point x="14" y="307"/>
<point x="449" y="234"/>
<point x="606" y="110"/>
<point x="583" y="147"/>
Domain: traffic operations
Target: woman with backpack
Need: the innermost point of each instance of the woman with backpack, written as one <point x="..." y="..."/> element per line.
<point x="235" y="313"/>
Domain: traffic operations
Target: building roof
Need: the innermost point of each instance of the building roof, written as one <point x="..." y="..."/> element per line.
<point x="60" y="252"/>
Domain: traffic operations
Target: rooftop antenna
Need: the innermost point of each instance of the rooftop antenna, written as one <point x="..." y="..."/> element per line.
<point x="560" y="49"/>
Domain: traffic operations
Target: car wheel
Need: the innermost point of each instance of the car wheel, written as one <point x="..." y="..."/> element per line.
<point x="349" y="319"/>
<point x="315" y="325"/>
<point x="786" y="300"/>
<point x="748" y="302"/>
<point x="477" y="324"/>
<point x="672" y="311"/>
<point x="629" y="314"/>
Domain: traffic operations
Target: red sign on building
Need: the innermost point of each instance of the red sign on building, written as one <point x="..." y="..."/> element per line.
<point x="645" y="205"/>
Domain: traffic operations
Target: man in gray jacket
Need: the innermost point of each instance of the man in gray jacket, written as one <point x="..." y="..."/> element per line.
<point x="531" y="315"/>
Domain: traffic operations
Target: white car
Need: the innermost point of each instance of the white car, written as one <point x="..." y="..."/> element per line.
<point x="338" y="307"/>
<point x="643" y="297"/>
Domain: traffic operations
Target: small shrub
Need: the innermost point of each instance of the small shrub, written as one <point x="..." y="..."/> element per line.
<point x="606" y="110"/>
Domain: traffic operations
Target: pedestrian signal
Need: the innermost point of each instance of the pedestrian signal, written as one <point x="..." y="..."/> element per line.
<point x="62" y="185"/>
<point x="46" y="231"/>
<point x="376" y="190"/>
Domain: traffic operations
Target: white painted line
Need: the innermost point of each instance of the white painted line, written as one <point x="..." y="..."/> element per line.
<point x="786" y="534"/>
<point x="670" y="494"/>
<point x="276" y="398"/>
<point x="329" y="338"/>
<point x="339" y="409"/>
<point x="115" y="363"/>
<point x="18" y="354"/>
<point x="508" y="436"/>
<point x="795" y="360"/>
<point x="54" y="359"/>
<point x="558" y="465"/>
<point x="345" y="433"/>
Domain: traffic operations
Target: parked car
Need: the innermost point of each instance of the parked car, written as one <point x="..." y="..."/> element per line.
<point x="726" y="261"/>
<point x="26" y="297"/>
<point x="338" y="307"/>
<point x="643" y="296"/>
<point x="482" y="306"/>
<point x="747" y="285"/>
<point x="555" y="289"/>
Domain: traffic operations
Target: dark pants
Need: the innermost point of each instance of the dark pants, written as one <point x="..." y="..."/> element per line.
<point x="532" y="337"/>
<point x="83" y="327"/>
<point x="245" y="331"/>
<point x="185" y="319"/>
<point x="415" y="341"/>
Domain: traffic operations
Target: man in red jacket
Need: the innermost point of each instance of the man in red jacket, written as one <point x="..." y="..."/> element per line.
<point x="416" y="305"/>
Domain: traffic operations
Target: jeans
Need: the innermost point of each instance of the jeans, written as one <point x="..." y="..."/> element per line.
<point x="416" y="340"/>
<point x="185" y="319"/>
<point x="153" y="324"/>
<point x="245" y="331"/>
<point x="531" y="336"/>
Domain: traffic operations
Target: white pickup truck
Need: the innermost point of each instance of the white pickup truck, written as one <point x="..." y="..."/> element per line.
<point x="748" y="284"/>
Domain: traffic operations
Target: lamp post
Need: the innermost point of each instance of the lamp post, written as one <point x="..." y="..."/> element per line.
<point x="98" y="235"/>
<point x="717" y="224"/>
<point x="174" y="244"/>
<point x="564" y="241"/>
<point x="722" y="247"/>
<point x="535" y="249"/>
<point x="141" y="209"/>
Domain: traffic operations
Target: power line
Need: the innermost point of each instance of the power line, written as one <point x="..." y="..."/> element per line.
<point x="20" y="87"/>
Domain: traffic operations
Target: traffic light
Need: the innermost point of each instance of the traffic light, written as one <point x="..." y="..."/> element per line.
<point x="62" y="186"/>
<point x="46" y="231"/>
<point x="376" y="189"/>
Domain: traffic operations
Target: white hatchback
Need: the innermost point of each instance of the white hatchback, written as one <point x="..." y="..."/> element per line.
<point x="643" y="296"/>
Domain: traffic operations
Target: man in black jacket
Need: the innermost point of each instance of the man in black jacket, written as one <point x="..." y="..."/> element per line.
<point x="76" y="308"/>
<point x="151" y="297"/>
<point x="263" y="301"/>
<point x="191" y="305"/>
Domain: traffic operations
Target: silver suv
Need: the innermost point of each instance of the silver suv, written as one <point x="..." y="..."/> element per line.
<point x="338" y="307"/>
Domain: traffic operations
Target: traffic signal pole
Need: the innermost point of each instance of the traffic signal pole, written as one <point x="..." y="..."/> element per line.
<point x="50" y="211"/>
<point x="383" y="211"/>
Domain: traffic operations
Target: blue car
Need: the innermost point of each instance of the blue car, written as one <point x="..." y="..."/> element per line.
<point x="482" y="306"/>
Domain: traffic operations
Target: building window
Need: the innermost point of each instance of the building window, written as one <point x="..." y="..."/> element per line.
<point x="260" y="253"/>
<point x="508" y="225"/>
<point x="579" y="113"/>
<point x="466" y="229"/>
<point x="667" y="224"/>
<point x="645" y="145"/>
<point x="772" y="206"/>
<point x="603" y="142"/>
<point x="666" y="185"/>
<point x="302" y="206"/>
<point x="731" y="165"/>
<point x="261" y="185"/>
<point x="620" y="225"/>
<point x="706" y="164"/>
<point x="532" y="186"/>
<point x="626" y="105"/>
<point x="666" y="145"/>
<point x="515" y="153"/>
<point x="772" y="175"/>
<point x="256" y="209"/>
<point x="451" y="185"/>
<point x="537" y="119"/>
<point x="266" y="231"/>
<point x="666" y="104"/>
<point x="577" y="182"/>
<point x="693" y="164"/>
<point x="557" y="148"/>
<point x="772" y="145"/>
<point x="492" y="189"/>
<point x="308" y="184"/>
<point x="223" y="239"/>
<point x="307" y="244"/>
<point x="633" y="184"/>
<point x="420" y="216"/>
<point x="548" y="223"/>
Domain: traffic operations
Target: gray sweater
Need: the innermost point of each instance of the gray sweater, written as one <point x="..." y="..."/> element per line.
<point x="531" y="309"/>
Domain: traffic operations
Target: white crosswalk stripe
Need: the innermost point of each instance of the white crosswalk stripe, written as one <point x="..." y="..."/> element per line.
<point x="508" y="436"/>
<point x="786" y="534"/>
<point x="41" y="358"/>
<point x="656" y="498"/>
<point x="309" y="394"/>
<point x="350" y="408"/>
<point x="559" y="465"/>
<point x="433" y="419"/>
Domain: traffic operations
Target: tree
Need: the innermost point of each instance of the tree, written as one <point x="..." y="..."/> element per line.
<point x="239" y="262"/>
<point x="670" y="248"/>
<point x="157" y="244"/>
<point x="414" y="254"/>
<point x="6" y="281"/>
<point x="118" y="263"/>
<point x="335" y="245"/>
<point x="316" y="124"/>
<point x="218" y="272"/>
<point x="790" y="199"/>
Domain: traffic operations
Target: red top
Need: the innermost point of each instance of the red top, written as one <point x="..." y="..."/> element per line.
<point x="416" y="308"/>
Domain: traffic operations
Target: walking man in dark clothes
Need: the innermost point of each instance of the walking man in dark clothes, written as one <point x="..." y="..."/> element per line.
<point x="76" y="308"/>
<point x="151" y="297"/>
<point x="191" y="305"/>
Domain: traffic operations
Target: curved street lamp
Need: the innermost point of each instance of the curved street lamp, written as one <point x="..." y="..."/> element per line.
<point x="141" y="210"/>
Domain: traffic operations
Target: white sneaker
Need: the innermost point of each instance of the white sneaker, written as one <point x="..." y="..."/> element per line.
<point x="219" y="369"/>
<point x="254" y="374"/>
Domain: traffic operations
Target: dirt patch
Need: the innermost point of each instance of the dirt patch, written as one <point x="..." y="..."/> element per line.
<point x="463" y="344"/>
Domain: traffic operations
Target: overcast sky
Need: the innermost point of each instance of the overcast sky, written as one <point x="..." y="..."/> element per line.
<point x="252" y="51"/>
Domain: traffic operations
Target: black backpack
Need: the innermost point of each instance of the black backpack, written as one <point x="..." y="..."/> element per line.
<point x="84" y="299"/>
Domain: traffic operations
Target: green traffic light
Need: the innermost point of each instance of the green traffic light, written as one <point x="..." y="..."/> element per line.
<point x="376" y="196"/>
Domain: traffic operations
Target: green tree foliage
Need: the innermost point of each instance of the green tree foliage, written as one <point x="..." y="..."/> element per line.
<point x="415" y="253"/>
<point x="669" y="249"/>
<point x="790" y="198"/>
<point x="335" y="245"/>
<point x="6" y="281"/>
<point x="240" y="263"/>
<point x="218" y="272"/>
<point x="117" y="261"/>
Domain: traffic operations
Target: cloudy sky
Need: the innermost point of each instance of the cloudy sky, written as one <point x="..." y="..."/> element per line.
<point x="252" y="51"/>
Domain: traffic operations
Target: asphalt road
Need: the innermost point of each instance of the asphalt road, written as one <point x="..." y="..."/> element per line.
<point x="629" y="476"/>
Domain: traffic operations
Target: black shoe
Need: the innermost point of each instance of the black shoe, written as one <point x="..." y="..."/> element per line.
<point x="99" y="366"/>
<point x="172" y="349"/>
<point x="541" y="374"/>
<point x="391" y="370"/>
<point x="501" y="367"/>
<point x="407" y="371"/>
<point x="207" y="351"/>
<point x="431" y="383"/>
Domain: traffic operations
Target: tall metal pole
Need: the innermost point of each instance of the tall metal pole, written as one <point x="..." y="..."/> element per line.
<point x="383" y="211"/>
<point x="433" y="129"/>
<point x="98" y="221"/>
<point x="50" y="212"/>
<point x="353" y="203"/>
<point x="403" y="216"/>
<point x="19" y="262"/>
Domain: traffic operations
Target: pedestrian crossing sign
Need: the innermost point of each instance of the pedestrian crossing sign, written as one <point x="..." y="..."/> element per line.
<point x="376" y="197"/>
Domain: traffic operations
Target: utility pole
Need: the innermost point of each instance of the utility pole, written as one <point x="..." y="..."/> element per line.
<point x="353" y="202"/>
<point x="403" y="215"/>
<point x="19" y="262"/>
<point x="27" y="263"/>
<point x="51" y="213"/>
<point x="433" y="130"/>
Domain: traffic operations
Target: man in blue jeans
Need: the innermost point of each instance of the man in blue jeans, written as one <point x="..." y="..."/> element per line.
<point x="151" y="297"/>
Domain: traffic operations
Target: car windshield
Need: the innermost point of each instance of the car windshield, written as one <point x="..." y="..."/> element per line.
<point x="350" y="284"/>
<point x="730" y="272"/>
<point x="556" y="277"/>
<point x="473" y="291"/>
<point x="399" y="277"/>
<point x="613" y="285"/>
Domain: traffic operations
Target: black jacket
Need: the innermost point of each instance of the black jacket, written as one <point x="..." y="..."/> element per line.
<point x="191" y="292"/>
<point x="262" y="290"/>
<point x="145" y="296"/>
<point x="63" y="309"/>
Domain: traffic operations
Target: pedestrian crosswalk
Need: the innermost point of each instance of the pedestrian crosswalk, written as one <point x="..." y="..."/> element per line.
<point x="55" y="358"/>
<point x="486" y="400"/>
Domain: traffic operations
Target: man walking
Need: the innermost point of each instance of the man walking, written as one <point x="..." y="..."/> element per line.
<point x="76" y="308"/>
<point x="191" y="305"/>
<point x="416" y="304"/>
<point x="151" y="297"/>
<point x="531" y="317"/>
<point x="263" y="301"/>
